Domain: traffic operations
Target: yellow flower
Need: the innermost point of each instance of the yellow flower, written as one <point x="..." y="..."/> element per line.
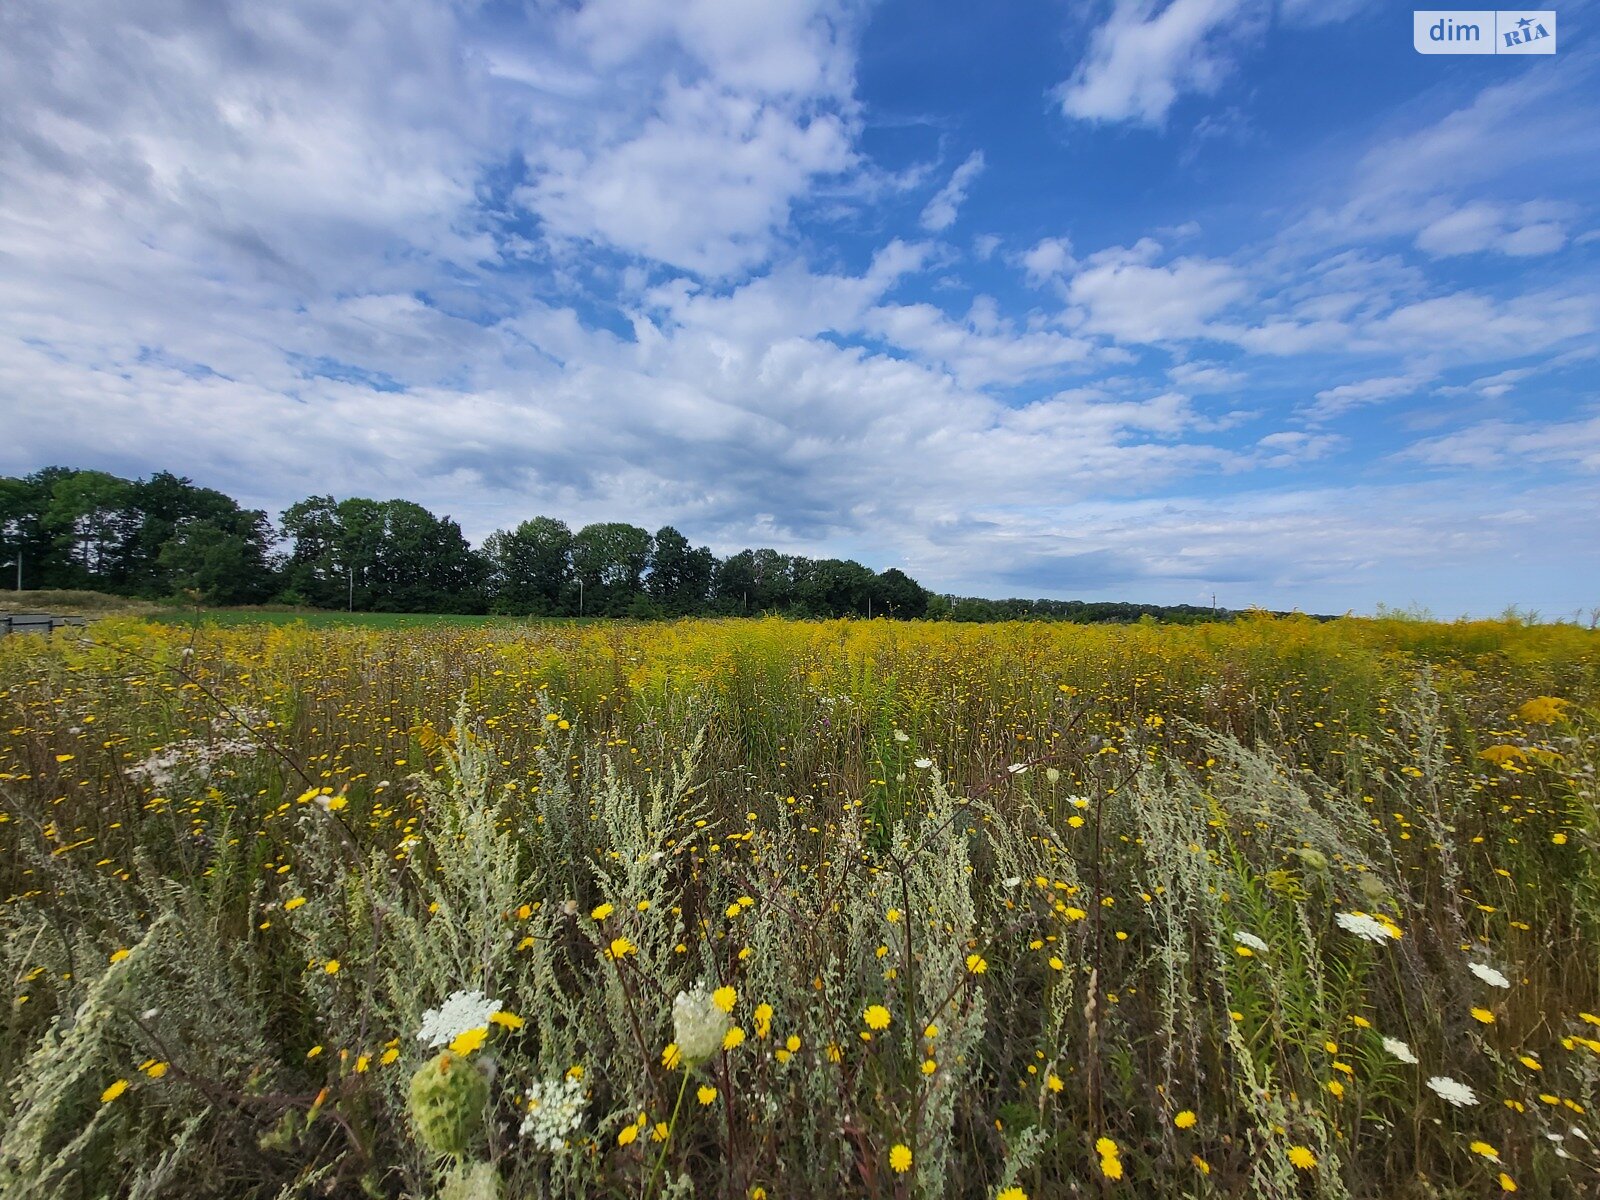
<point x="1105" y="1147"/>
<point x="389" y="1056"/>
<point x="670" y="1058"/>
<point x="470" y="1040"/>
<point x="154" y="1069"/>
<point x="507" y="1020"/>
<point x="892" y="915"/>
<point x="1011" y="1193"/>
<point x="733" y="1039"/>
<point x="112" y="1092"/>
<point x="291" y="905"/>
<point x="1111" y="1166"/>
<point x="977" y="964"/>
<point x="620" y="948"/>
<point x="724" y="998"/>
<point x="1543" y="710"/>
<point x="118" y="955"/>
<point x="363" y="1061"/>
<point x="763" y="1020"/>
<point x="1507" y="1184"/>
<point x="1485" y="1150"/>
<point x="1302" y="1158"/>
<point x="331" y="966"/>
<point x="1483" y="1015"/>
<point x="602" y="911"/>
<point x="627" y="1136"/>
<point x="900" y="1158"/>
<point x="1185" y="1120"/>
<point x="660" y="1132"/>
<point x="876" y="1017"/>
<point x="706" y="1094"/>
<point x="1200" y="1164"/>
<point x="1054" y="1082"/>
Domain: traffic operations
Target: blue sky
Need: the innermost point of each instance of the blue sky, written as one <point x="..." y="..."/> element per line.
<point x="1127" y="300"/>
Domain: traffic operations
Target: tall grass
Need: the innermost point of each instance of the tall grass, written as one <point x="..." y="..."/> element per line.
<point x="1040" y="909"/>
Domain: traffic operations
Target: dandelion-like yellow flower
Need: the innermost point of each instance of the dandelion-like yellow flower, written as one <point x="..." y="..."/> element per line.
<point x="1301" y="1158"/>
<point x="470" y="1040"/>
<point x="331" y="966"/>
<point x="900" y="1158"/>
<point x="507" y="1020"/>
<point x="876" y="1016"/>
<point x="763" y="1019"/>
<point x="1507" y="1184"/>
<point x="1485" y="1150"/>
<point x="1111" y="1166"/>
<point x="628" y="1135"/>
<point x="977" y="964"/>
<point x="620" y="948"/>
<point x="1011" y="1193"/>
<point x="706" y="1094"/>
<point x="733" y="1039"/>
<point x="602" y="911"/>
<point x="725" y="998"/>
<point x="112" y="1092"/>
<point x="1185" y="1120"/>
<point x="1483" y="1016"/>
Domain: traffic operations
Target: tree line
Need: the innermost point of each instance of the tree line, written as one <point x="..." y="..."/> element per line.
<point x="165" y="537"/>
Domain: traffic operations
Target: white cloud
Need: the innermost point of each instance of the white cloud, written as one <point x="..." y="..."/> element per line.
<point x="1489" y="445"/>
<point x="1336" y="401"/>
<point x="1124" y="294"/>
<point x="1484" y="226"/>
<point x="1144" y="57"/>
<point x="941" y="211"/>
<point x="1049" y="259"/>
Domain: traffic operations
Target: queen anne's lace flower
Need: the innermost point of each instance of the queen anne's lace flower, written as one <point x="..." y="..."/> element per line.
<point x="460" y="1012"/>
<point x="555" y="1110"/>
<point x="1363" y="926"/>
<point x="1452" y="1091"/>
<point x="1399" y="1049"/>
<point x="699" y="1024"/>
<point x="1250" y="940"/>
<point x="1489" y="975"/>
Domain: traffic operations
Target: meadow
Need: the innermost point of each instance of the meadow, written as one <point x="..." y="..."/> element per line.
<point x="1275" y="908"/>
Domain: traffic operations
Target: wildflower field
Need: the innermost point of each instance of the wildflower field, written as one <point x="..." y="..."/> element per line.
<point x="739" y="909"/>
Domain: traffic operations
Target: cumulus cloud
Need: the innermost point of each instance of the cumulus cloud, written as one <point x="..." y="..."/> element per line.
<point x="1146" y="56"/>
<point x="1125" y="293"/>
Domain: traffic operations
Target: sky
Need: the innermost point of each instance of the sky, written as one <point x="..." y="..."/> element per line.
<point x="1136" y="300"/>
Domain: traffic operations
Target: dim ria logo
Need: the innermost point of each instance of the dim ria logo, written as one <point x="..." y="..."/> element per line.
<point x="1484" y="31"/>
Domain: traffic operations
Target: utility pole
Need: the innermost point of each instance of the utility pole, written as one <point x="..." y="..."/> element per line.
<point x="580" y="595"/>
<point x="352" y="602"/>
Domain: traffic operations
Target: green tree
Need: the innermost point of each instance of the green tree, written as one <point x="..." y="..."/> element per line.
<point x="529" y="568"/>
<point x="609" y="561"/>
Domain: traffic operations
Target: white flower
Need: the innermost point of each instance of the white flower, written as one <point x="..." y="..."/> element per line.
<point x="922" y="764"/>
<point x="1017" y="768"/>
<point x="555" y="1109"/>
<point x="1399" y="1049"/>
<point x="1250" y="940"/>
<point x="1366" y="927"/>
<point x="900" y="735"/>
<point x="1452" y="1091"/>
<point x="698" y="1024"/>
<point x="1012" y="882"/>
<point x="460" y="1012"/>
<point x="1489" y="975"/>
